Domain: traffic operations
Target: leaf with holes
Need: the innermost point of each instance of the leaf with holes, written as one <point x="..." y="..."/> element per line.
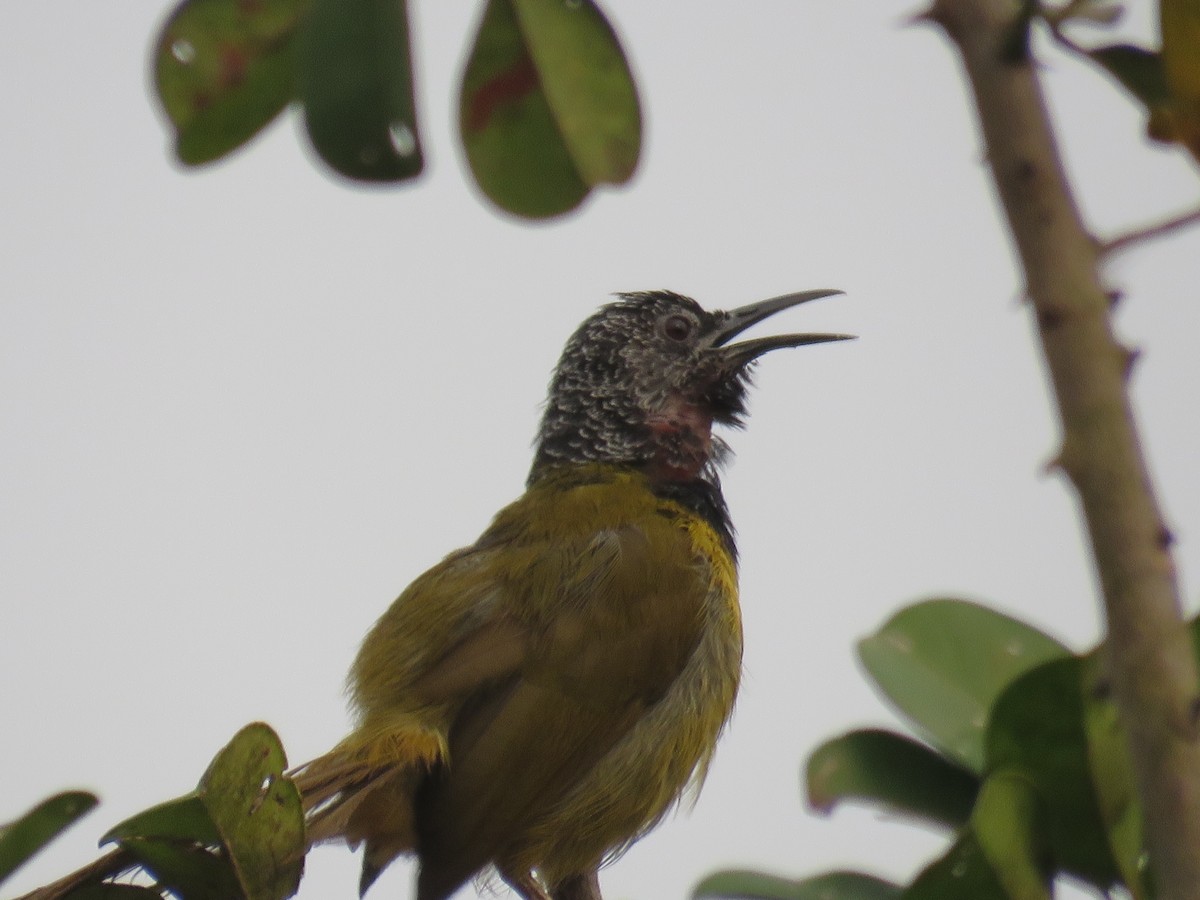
<point x="257" y="811"/>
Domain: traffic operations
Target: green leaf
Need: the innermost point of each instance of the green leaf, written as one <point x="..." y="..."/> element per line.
<point x="1112" y="777"/>
<point x="515" y="151"/>
<point x="1140" y="71"/>
<point x="186" y="869"/>
<point x="223" y="69"/>
<point x="588" y="85"/>
<point x="24" y="837"/>
<point x="245" y="809"/>
<point x="257" y="811"/>
<point x="829" y="886"/>
<point x="185" y="818"/>
<point x="899" y="773"/>
<point x="964" y="873"/>
<point x="944" y="662"/>
<point x="1037" y="729"/>
<point x="1008" y="827"/>
<point x="548" y="107"/>
<point x="355" y="79"/>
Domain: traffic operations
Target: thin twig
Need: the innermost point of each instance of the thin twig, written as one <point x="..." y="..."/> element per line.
<point x="1149" y="232"/>
<point x="109" y="865"/>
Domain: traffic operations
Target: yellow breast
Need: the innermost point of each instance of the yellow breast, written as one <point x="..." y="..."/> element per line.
<point x="577" y="665"/>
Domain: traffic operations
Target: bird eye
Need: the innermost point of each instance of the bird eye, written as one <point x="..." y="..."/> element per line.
<point x="678" y="328"/>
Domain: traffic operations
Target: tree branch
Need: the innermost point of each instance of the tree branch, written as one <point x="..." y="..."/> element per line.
<point x="1151" y="661"/>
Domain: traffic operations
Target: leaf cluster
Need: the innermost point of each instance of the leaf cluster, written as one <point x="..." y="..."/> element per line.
<point x="1017" y="754"/>
<point x="548" y="109"/>
<point x="238" y="836"/>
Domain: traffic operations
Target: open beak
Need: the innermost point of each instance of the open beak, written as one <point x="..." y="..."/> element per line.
<point x="738" y="320"/>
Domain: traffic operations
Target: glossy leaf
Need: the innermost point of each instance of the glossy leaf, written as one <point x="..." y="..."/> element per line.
<point x="896" y="772"/>
<point x="944" y="662"/>
<point x="745" y="885"/>
<point x="1180" y="21"/>
<point x="257" y="812"/>
<point x="1037" y="729"/>
<point x="185" y="819"/>
<point x="223" y="69"/>
<point x="964" y="873"/>
<point x="548" y="107"/>
<point x="1008" y="826"/>
<point x="355" y="81"/>
<point x="24" y="837"/>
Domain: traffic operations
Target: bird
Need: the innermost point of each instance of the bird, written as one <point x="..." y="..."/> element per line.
<point x="539" y="700"/>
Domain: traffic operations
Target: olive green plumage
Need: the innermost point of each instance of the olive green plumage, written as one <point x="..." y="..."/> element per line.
<point x="538" y="700"/>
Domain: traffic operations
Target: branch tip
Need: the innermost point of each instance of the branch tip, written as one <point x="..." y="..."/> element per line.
<point x="1149" y="232"/>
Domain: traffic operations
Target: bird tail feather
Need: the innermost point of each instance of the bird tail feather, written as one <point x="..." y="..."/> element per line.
<point x="363" y="791"/>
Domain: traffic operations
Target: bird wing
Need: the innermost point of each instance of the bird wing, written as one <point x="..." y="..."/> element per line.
<point x="591" y="630"/>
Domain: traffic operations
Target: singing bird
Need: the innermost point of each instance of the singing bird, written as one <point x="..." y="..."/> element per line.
<point x="537" y="701"/>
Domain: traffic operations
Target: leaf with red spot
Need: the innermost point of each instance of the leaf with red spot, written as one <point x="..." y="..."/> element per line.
<point x="223" y="69"/>
<point x="548" y="108"/>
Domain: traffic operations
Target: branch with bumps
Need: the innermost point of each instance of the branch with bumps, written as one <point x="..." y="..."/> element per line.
<point x="1151" y="665"/>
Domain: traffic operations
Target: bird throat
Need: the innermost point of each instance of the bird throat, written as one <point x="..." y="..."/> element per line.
<point x="681" y="441"/>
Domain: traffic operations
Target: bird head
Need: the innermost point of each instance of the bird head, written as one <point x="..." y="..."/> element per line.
<point x="644" y="379"/>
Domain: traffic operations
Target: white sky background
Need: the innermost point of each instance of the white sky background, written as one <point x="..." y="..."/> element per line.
<point x="241" y="408"/>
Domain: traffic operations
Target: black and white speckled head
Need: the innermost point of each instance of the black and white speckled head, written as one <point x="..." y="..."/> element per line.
<point x="643" y="380"/>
